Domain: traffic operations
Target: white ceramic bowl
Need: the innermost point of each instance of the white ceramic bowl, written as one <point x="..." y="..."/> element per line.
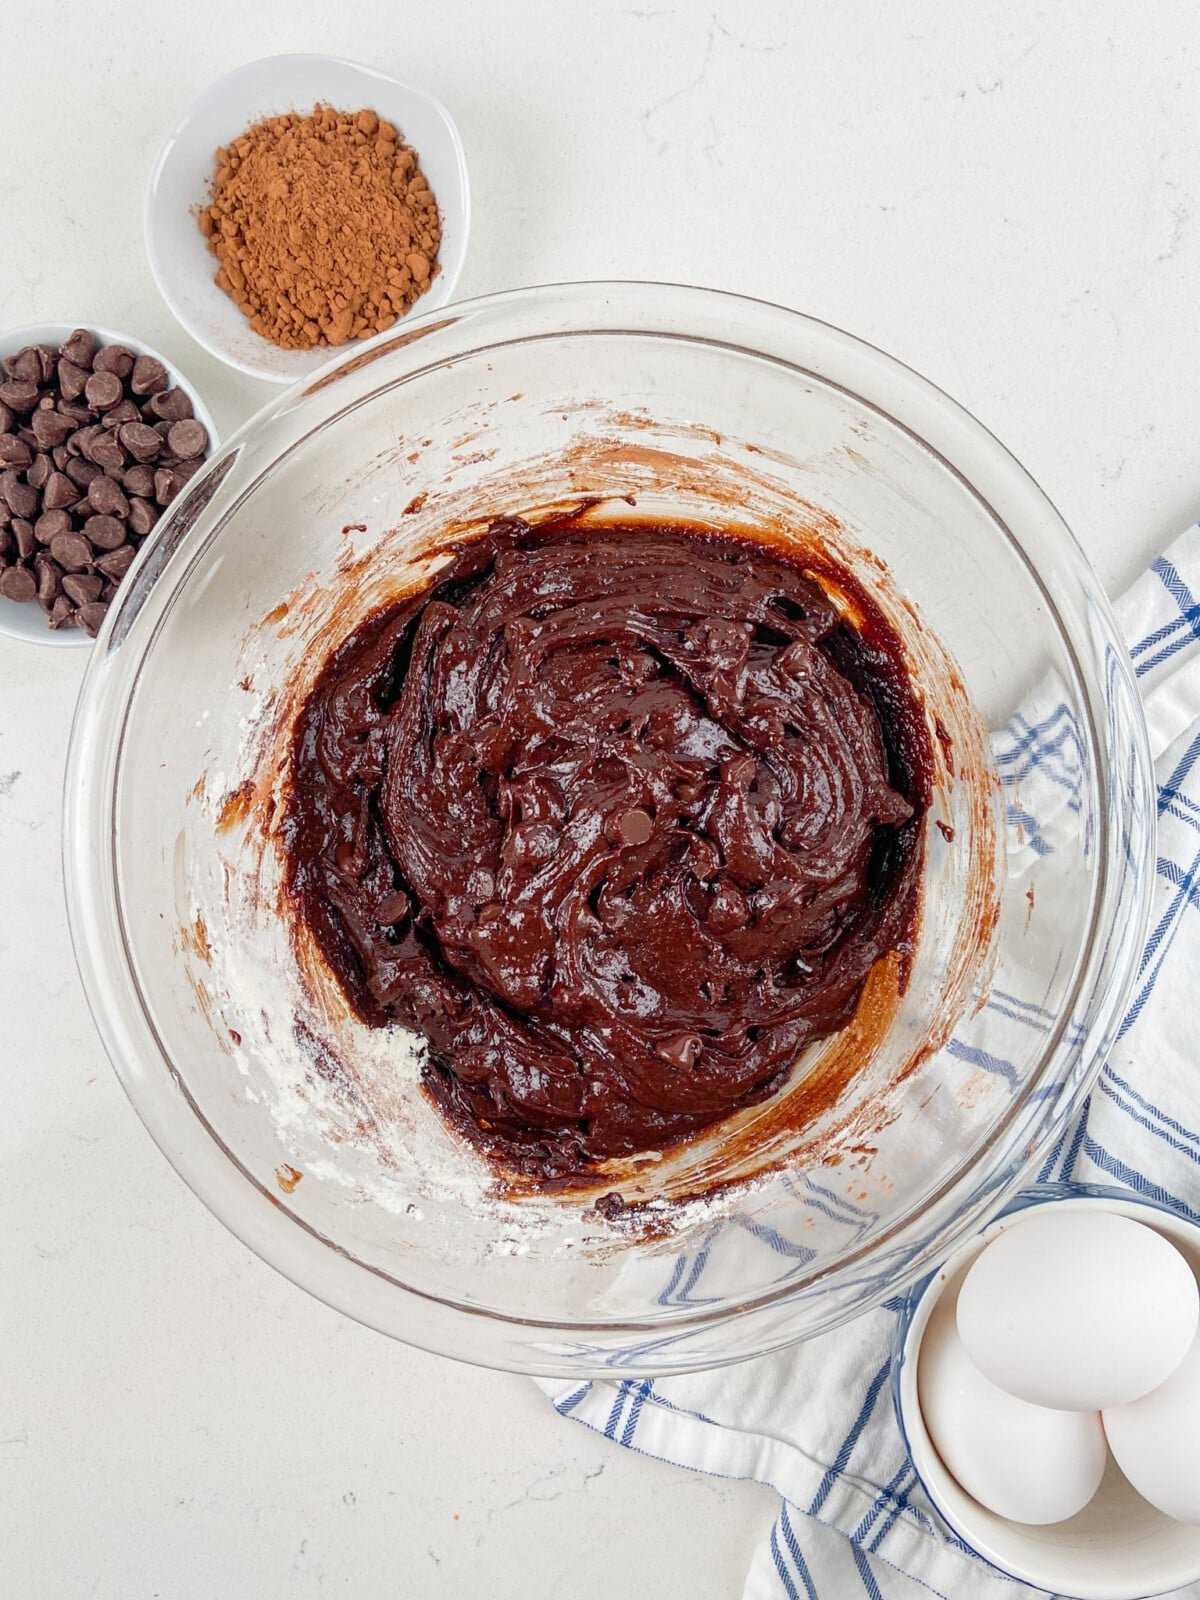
<point x="1117" y="1548"/>
<point x="26" y="620"/>
<point x="180" y="260"/>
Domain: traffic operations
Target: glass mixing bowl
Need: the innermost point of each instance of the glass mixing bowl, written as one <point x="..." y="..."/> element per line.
<point x="308" y="1134"/>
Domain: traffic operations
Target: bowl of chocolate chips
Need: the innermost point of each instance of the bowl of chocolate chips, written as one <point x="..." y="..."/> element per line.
<point x="98" y="435"/>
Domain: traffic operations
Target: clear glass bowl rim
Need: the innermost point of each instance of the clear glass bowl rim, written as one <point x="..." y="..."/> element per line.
<point x="975" y="1189"/>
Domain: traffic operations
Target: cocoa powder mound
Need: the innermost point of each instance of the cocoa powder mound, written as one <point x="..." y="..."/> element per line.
<point x="324" y="226"/>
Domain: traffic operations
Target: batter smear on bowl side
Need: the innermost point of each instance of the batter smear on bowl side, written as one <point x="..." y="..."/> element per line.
<point x="619" y="819"/>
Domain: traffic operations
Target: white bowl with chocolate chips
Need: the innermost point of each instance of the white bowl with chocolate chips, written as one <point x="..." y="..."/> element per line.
<point x="98" y="434"/>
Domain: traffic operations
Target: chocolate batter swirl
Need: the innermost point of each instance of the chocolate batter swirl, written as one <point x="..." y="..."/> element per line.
<point x="619" y="819"/>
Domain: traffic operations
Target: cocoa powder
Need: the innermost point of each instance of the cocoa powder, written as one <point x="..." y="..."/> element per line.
<point x="324" y="226"/>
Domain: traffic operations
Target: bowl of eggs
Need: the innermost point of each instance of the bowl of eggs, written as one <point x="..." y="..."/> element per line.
<point x="1048" y="1388"/>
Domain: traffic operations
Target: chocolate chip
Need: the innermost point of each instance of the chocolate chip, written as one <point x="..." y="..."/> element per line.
<point x="27" y="436"/>
<point x="141" y="440"/>
<point x="62" y="613"/>
<point x="49" y="580"/>
<point x="82" y="472"/>
<point x="188" y="439"/>
<point x="80" y="348"/>
<point x="142" y="517"/>
<point x="8" y="545"/>
<point x="124" y="411"/>
<point x="71" y="551"/>
<point x="138" y="479"/>
<point x="19" y="395"/>
<point x="116" y="563"/>
<point x="106" y="451"/>
<point x="51" y="524"/>
<point x="14" y="452"/>
<point x="103" y="388"/>
<point x="114" y="358"/>
<point x="82" y="587"/>
<point x="59" y="491"/>
<point x="80" y="443"/>
<point x="71" y="379"/>
<point x="25" y="366"/>
<point x="25" y="537"/>
<point x="18" y="583"/>
<point x="185" y="471"/>
<point x="6" y="418"/>
<point x="105" y="532"/>
<point x="50" y="427"/>
<point x="162" y="428"/>
<point x="38" y="471"/>
<point x="167" y="485"/>
<point x="109" y="591"/>
<point x="76" y="412"/>
<point x="91" y="617"/>
<point x="104" y="495"/>
<point x="60" y="457"/>
<point x="171" y="405"/>
<point x="149" y="376"/>
<point x="20" y="499"/>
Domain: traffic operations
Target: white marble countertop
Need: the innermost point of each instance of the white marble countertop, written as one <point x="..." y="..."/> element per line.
<point x="1004" y="195"/>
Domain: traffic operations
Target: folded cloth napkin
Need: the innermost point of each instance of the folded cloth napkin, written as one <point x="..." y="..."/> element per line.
<point x="816" y="1421"/>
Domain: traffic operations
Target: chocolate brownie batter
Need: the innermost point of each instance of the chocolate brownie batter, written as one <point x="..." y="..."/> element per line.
<point x="619" y="819"/>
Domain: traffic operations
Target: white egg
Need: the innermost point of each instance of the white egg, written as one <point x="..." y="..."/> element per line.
<point x="1156" y="1441"/>
<point x="1023" y="1462"/>
<point x="1078" y="1309"/>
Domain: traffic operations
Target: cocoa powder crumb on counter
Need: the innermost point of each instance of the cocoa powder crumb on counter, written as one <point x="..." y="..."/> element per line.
<point x="324" y="226"/>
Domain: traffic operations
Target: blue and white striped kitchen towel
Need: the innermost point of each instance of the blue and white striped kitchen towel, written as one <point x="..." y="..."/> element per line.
<point x="816" y="1421"/>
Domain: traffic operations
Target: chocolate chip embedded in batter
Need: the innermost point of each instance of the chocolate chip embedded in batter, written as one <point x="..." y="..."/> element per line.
<point x="188" y="439"/>
<point x="682" y="1052"/>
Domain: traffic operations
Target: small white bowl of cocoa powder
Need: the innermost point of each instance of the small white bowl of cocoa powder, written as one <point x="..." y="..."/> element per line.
<point x="302" y="204"/>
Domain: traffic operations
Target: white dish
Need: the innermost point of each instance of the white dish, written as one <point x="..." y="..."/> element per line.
<point x="180" y="260"/>
<point x="26" y="620"/>
<point x="1119" y="1547"/>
